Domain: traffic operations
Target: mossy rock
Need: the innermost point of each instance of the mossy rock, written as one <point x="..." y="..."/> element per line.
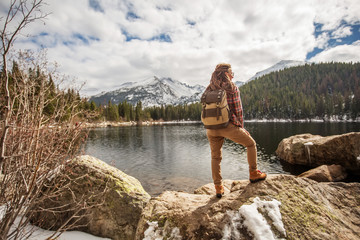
<point x="117" y="199"/>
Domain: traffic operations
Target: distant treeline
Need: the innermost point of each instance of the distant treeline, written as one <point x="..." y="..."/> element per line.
<point x="309" y="91"/>
<point x="127" y="112"/>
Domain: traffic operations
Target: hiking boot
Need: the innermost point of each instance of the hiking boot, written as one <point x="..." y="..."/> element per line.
<point x="256" y="176"/>
<point x="219" y="190"/>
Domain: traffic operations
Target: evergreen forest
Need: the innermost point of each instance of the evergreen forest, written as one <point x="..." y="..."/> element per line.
<point x="311" y="91"/>
<point x="127" y="112"/>
<point x="40" y="87"/>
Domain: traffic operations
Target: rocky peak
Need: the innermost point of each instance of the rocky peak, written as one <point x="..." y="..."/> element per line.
<point x="153" y="91"/>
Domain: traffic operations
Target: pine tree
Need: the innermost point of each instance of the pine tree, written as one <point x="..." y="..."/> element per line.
<point x="111" y="112"/>
<point x="138" y="111"/>
<point x="93" y="106"/>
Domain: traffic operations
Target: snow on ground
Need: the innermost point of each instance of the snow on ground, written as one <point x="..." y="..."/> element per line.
<point x="70" y="235"/>
<point x="251" y="217"/>
<point x="41" y="234"/>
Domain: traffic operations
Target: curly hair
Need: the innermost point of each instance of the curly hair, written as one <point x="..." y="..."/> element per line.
<point x="219" y="80"/>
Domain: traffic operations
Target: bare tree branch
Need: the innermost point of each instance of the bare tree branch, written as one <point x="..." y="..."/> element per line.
<point x="37" y="134"/>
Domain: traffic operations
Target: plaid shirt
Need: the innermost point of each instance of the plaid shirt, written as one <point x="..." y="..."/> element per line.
<point x="234" y="102"/>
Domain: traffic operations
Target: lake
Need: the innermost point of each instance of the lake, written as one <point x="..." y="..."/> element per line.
<point x="177" y="156"/>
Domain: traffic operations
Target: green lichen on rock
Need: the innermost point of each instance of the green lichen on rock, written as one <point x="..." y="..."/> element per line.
<point x="302" y="204"/>
<point x="297" y="207"/>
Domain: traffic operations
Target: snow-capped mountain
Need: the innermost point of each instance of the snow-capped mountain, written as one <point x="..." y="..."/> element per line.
<point x="153" y="91"/>
<point x="277" y="67"/>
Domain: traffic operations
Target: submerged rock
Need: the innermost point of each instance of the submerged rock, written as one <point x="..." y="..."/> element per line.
<point x="117" y="199"/>
<point x="315" y="150"/>
<point x="282" y="206"/>
<point x="326" y="173"/>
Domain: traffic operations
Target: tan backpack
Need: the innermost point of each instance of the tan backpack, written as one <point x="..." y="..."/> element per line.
<point x="215" y="111"/>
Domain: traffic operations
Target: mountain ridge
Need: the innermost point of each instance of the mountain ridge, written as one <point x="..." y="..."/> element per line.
<point x="153" y="91"/>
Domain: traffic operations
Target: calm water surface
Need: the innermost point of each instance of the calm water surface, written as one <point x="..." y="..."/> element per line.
<point x="177" y="157"/>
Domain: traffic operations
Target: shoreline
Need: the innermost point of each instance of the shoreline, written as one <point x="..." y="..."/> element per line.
<point x="325" y="120"/>
<point x="151" y="123"/>
<point x="133" y="123"/>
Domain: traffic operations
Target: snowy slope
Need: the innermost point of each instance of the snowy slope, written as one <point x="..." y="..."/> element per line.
<point x="277" y="67"/>
<point x="153" y="91"/>
<point x="239" y="83"/>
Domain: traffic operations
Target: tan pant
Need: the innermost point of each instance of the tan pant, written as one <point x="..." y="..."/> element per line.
<point x="236" y="134"/>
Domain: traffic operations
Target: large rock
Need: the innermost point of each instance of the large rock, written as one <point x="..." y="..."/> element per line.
<point x="315" y="150"/>
<point x="117" y="199"/>
<point x="282" y="206"/>
<point x="326" y="173"/>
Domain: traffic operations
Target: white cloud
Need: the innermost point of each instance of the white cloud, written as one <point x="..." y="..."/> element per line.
<point x="322" y="40"/>
<point x="341" y="53"/>
<point x="90" y="44"/>
<point x="342" y="32"/>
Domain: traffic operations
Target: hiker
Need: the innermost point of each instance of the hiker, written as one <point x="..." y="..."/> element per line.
<point x="222" y="79"/>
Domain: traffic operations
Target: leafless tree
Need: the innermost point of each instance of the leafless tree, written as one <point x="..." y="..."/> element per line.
<point x="20" y="14"/>
<point x="37" y="134"/>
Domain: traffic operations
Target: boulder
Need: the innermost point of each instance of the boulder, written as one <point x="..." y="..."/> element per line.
<point x="326" y="173"/>
<point x="116" y="200"/>
<point x="282" y="206"/>
<point x="315" y="150"/>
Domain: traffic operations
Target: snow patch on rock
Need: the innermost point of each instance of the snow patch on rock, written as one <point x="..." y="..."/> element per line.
<point x="154" y="232"/>
<point x="259" y="219"/>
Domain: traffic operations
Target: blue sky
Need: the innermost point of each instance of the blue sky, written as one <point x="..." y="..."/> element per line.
<point x="350" y="34"/>
<point x="105" y="43"/>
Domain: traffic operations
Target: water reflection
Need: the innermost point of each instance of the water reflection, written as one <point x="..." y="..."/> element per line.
<point x="177" y="157"/>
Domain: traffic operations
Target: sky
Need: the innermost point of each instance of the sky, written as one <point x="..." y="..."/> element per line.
<point x="105" y="43"/>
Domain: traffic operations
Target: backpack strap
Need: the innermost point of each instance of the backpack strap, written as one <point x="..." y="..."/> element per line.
<point x="204" y="110"/>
